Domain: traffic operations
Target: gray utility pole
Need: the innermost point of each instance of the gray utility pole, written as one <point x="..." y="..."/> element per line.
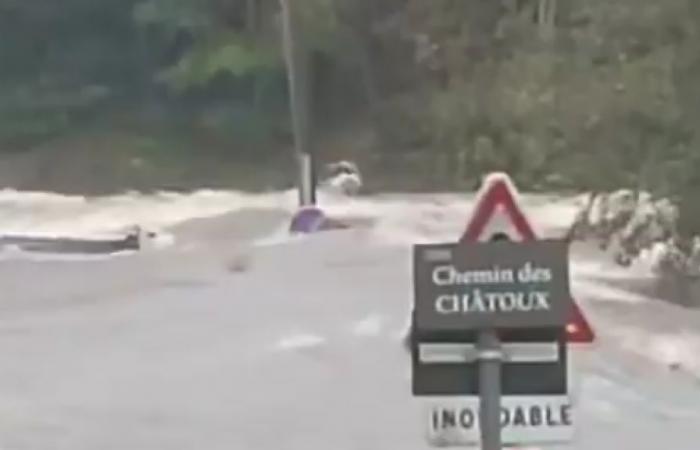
<point x="296" y="56"/>
<point x="490" y="358"/>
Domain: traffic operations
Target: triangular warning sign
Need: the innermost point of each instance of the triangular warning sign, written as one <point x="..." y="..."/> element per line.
<point x="497" y="211"/>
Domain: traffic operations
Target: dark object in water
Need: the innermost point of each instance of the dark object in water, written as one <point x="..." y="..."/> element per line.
<point x="312" y="220"/>
<point x="72" y="245"/>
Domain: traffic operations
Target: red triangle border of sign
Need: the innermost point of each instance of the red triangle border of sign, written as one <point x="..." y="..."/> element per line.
<point x="498" y="192"/>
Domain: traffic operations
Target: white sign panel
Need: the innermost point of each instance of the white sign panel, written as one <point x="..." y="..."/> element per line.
<point x="524" y="420"/>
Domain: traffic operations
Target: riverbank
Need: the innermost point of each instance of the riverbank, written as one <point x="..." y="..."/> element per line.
<point x="114" y="162"/>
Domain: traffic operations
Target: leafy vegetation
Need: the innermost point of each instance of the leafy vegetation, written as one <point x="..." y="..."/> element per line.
<point x="565" y="94"/>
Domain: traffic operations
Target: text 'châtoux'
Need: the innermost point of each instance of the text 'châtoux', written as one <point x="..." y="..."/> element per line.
<point x="491" y="284"/>
<point x="478" y="301"/>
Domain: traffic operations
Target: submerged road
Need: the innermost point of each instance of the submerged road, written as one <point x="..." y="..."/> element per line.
<point x="220" y="344"/>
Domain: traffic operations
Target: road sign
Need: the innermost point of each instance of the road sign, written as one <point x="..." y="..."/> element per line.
<point x="511" y="344"/>
<point x="497" y="211"/>
<point x="533" y="420"/>
<point x="486" y="285"/>
<point x="446" y="364"/>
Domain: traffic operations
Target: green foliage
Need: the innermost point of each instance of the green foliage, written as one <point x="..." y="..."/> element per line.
<point x="610" y="98"/>
<point x="225" y="55"/>
<point x="173" y="16"/>
<point x="321" y="29"/>
<point x="596" y="107"/>
<point x="215" y="46"/>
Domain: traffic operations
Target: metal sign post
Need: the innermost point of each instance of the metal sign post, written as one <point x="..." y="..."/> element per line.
<point x="297" y="74"/>
<point x="490" y="357"/>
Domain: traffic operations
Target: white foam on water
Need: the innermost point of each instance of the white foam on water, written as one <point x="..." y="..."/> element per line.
<point x="14" y="254"/>
<point x="664" y="333"/>
<point x="50" y="215"/>
<point x="370" y="326"/>
<point x="159" y="241"/>
<point x="53" y="214"/>
<point x="609" y="293"/>
<point x="399" y="219"/>
<point x="444" y="217"/>
<point x="299" y="341"/>
<point x="678" y="350"/>
<point x="278" y="237"/>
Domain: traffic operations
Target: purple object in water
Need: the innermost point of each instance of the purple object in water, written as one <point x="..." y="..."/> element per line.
<point x="311" y="219"/>
<point x="308" y="220"/>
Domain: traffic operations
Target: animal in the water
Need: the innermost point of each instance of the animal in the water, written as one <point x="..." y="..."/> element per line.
<point x="343" y="177"/>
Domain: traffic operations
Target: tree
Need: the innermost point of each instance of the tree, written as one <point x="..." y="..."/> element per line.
<point x="686" y="70"/>
<point x="220" y="38"/>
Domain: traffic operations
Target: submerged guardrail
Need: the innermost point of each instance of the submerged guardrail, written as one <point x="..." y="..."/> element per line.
<point x="64" y="245"/>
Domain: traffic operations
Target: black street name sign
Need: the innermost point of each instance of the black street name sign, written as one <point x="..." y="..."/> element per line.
<point x="465" y="286"/>
<point x="517" y="378"/>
